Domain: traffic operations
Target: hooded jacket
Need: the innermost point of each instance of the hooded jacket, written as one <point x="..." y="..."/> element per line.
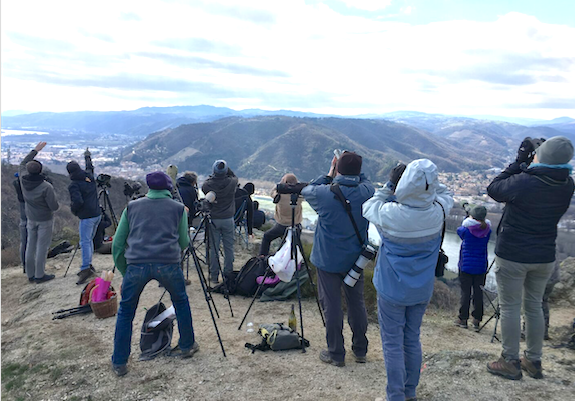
<point x="535" y="200"/>
<point x="242" y="196"/>
<point x="409" y="223"/>
<point x="473" y="253"/>
<point x="84" y="194"/>
<point x="335" y="245"/>
<point x="38" y="194"/>
<point x="189" y="194"/>
<point x="225" y="188"/>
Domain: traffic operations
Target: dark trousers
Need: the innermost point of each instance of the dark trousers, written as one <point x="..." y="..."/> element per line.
<point x="329" y="289"/>
<point x="277" y="231"/>
<point x="470" y="285"/>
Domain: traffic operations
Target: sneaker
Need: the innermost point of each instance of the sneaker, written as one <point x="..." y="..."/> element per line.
<point x="178" y="352"/>
<point x="43" y="279"/>
<point x="325" y="357"/>
<point x="84" y="276"/>
<point x="508" y="369"/>
<point x="31" y="279"/>
<point x="91" y="268"/>
<point x="476" y="324"/>
<point x="532" y="368"/>
<point x="360" y="359"/>
<point x="461" y="323"/>
<point x="120" y="370"/>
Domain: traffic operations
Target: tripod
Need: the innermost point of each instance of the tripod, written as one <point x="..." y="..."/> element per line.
<point x="104" y="201"/>
<point x="296" y="246"/>
<point x="496" y="308"/>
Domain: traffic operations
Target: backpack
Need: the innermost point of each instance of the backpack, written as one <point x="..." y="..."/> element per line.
<point x="62" y="247"/>
<point x="246" y="283"/>
<point x="155" y="340"/>
<point x="277" y="337"/>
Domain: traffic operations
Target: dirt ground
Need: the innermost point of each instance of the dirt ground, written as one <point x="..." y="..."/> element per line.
<point x="69" y="359"/>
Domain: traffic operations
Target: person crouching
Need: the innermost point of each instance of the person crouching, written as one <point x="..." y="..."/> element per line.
<point x="151" y="233"/>
<point x="475" y="231"/>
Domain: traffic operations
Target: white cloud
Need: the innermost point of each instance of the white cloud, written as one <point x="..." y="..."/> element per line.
<point x="368" y="5"/>
<point x="282" y="54"/>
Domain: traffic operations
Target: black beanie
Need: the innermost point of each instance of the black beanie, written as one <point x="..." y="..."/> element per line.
<point x="349" y="164"/>
<point x="72" y="167"/>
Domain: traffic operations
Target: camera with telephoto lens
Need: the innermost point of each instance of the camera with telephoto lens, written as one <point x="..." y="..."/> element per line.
<point x="535" y="142"/>
<point x="103" y="180"/>
<point x="367" y="253"/>
<point x="132" y="190"/>
<point x="291" y="188"/>
<point x="205" y="205"/>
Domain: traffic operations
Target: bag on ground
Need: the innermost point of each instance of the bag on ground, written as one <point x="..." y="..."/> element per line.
<point x="157" y="331"/>
<point x="277" y="337"/>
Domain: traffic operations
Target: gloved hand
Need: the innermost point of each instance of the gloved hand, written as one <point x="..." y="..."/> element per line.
<point x="396" y="173"/>
<point x="526" y="151"/>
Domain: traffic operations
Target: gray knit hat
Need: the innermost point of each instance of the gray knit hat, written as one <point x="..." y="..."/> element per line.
<point x="220" y="168"/>
<point x="479" y="213"/>
<point x="34" y="167"/>
<point x="556" y="150"/>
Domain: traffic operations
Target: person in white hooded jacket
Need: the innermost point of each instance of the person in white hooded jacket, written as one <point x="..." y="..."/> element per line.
<point x="408" y="213"/>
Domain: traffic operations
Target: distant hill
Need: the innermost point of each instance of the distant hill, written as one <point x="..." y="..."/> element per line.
<point x="267" y="147"/>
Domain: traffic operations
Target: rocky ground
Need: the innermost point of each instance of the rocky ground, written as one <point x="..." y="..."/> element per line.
<point x="69" y="359"/>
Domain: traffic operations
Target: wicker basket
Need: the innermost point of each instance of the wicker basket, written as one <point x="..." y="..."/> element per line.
<point x="107" y="308"/>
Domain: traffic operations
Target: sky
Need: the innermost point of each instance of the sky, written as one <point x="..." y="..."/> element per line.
<point x="348" y="57"/>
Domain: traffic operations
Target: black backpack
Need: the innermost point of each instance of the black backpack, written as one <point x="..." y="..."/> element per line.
<point x="155" y="340"/>
<point x="246" y="283"/>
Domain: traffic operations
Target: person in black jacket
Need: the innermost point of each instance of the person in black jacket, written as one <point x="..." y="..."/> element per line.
<point x="223" y="182"/>
<point x="23" y="220"/>
<point x="84" y="198"/>
<point x="188" y="188"/>
<point x="244" y="195"/>
<point x="536" y="196"/>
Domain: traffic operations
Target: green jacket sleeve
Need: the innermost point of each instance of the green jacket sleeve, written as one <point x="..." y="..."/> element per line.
<point x="119" y="243"/>
<point x="184" y="239"/>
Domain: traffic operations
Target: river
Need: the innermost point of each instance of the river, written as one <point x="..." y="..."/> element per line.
<point x="451" y="243"/>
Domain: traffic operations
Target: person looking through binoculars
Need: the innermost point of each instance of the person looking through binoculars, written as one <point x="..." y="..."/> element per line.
<point x="336" y="248"/>
<point x="188" y="188"/>
<point x="282" y="215"/>
<point x="537" y="190"/>
<point x="223" y="182"/>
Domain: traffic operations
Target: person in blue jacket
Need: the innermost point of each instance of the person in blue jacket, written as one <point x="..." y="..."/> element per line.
<point x="336" y="247"/>
<point x="474" y="232"/>
<point x="408" y="214"/>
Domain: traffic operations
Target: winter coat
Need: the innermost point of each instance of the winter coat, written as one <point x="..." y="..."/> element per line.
<point x="335" y="245"/>
<point x="39" y="196"/>
<point x="225" y="188"/>
<point x="189" y="194"/>
<point x="409" y="223"/>
<point x="473" y="253"/>
<point x="242" y="196"/>
<point x="83" y="195"/>
<point x="282" y="213"/>
<point x="535" y="199"/>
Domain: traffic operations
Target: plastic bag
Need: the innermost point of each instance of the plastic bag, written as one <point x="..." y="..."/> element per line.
<point x="281" y="263"/>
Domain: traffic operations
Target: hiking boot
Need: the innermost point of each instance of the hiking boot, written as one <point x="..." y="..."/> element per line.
<point x="325" y="357"/>
<point x="44" y="278"/>
<point x="120" y="370"/>
<point x="508" y="369"/>
<point x="532" y="368"/>
<point x="178" y="352"/>
<point x="461" y="323"/>
<point x="360" y="359"/>
<point x="91" y="268"/>
<point x="31" y="279"/>
<point x="476" y="325"/>
<point x="84" y="276"/>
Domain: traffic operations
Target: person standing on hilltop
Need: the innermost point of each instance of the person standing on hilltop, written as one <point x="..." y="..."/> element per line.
<point x="223" y="182"/>
<point x="152" y="232"/>
<point x="336" y="247"/>
<point x="537" y="190"/>
<point x="282" y="215"/>
<point x="409" y="212"/>
<point x="84" y="204"/>
<point x="475" y="231"/>
<point x="41" y="203"/>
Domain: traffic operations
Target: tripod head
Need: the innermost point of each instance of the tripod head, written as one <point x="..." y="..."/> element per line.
<point x="103" y="180"/>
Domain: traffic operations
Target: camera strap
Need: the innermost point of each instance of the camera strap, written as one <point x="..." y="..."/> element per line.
<point x="347" y="206"/>
<point x="443" y="229"/>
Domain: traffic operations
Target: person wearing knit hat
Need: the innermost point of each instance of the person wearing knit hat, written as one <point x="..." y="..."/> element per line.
<point x="535" y="199"/>
<point x="223" y="182"/>
<point x="151" y="234"/>
<point x="84" y="204"/>
<point x="336" y="247"/>
<point x="40" y="204"/>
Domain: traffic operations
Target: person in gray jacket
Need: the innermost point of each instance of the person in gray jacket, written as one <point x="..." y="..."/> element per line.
<point x="223" y="182"/>
<point x="41" y="204"/>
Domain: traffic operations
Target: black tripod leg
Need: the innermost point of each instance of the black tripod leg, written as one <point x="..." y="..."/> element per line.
<point x="203" y="280"/>
<point x="211" y="244"/>
<point x="254" y="297"/>
<point x="314" y="288"/>
<point x="71" y="260"/>
<point x="497" y="316"/>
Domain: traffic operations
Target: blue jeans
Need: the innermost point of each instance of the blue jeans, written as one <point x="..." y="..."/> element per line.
<point x="136" y="278"/>
<point x="87" y="231"/>
<point x="399" y="326"/>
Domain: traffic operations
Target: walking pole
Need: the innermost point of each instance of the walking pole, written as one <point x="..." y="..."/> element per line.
<point x="74" y="254"/>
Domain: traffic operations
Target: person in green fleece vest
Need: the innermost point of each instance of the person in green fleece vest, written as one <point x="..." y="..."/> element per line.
<point x="149" y="239"/>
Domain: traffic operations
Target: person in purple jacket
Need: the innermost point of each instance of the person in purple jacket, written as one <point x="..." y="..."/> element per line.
<point x="474" y="232"/>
